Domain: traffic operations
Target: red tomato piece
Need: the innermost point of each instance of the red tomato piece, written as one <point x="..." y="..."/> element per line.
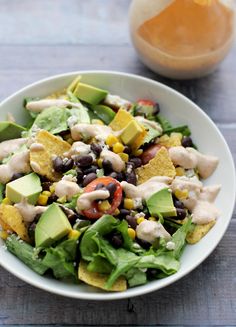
<point x="93" y="212"/>
<point x="150" y="153"/>
<point x="144" y="102"/>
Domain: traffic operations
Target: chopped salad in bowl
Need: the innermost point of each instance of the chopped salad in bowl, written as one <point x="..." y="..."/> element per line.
<point x="101" y="190"/>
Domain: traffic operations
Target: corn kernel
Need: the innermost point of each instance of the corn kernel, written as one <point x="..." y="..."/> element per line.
<point x="6" y="201"/>
<point x="164" y="138"/>
<point x="140" y="220"/>
<point x="42" y="200"/>
<point x="62" y="199"/>
<point x="99" y="162"/>
<point x="3" y="234"/>
<point x="128" y="203"/>
<point x="47" y="193"/>
<point x="111" y="140"/>
<point x="118" y="147"/>
<point x="152" y="218"/>
<point x="181" y="194"/>
<point x="137" y="152"/>
<point x="116" y="212"/>
<point x="52" y="188"/>
<point x="179" y="171"/>
<point x="104" y="205"/>
<point x="131" y="233"/>
<point x="124" y="156"/>
<point x="74" y="234"/>
<point x="97" y="122"/>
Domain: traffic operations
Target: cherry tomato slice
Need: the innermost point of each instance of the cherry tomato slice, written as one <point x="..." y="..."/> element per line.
<point x="144" y="102"/>
<point x="93" y="212"/>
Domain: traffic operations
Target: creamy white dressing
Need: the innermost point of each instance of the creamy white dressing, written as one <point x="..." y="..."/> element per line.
<point x="149" y="231"/>
<point x="117" y="163"/>
<point x="19" y="163"/>
<point x="147" y="189"/>
<point x="150" y="123"/>
<point x="35" y="166"/>
<point x="39" y="106"/>
<point x="35" y="147"/>
<point x="78" y="148"/>
<point x="90" y="130"/>
<point x="117" y="101"/>
<point x="85" y="201"/>
<point x="10" y="146"/>
<point x="67" y="186"/>
<point x="189" y="158"/>
<point x="200" y="199"/>
<point x="28" y="211"/>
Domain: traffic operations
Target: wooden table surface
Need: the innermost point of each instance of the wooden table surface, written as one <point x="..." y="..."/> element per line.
<point x="46" y="37"/>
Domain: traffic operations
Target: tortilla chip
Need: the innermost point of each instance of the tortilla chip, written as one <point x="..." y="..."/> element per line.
<point x="160" y="165"/>
<point x="12" y="219"/>
<point x="99" y="280"/>
<point x="170" y="141"/>
<point x="41" y="160"/>
<point x="199" y="232"/>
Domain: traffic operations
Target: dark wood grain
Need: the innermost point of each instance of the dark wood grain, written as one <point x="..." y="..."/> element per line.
<point x="46" y="37"/>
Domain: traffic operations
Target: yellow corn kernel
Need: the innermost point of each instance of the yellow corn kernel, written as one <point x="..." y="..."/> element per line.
<point x="181" y="194"/>
<point x="74" y="234"/>
<point x="111" y="140"/>
<point x="52" y="188"/>
<point x="179" y="171"/>
<point x="118" y="147"/>
<point x="131" y="233"/>
<point x="6" y="201"/>
<point x="42" y="200"/>
<point x="137" y="152"/>
<point x="117" y="212"/>
<point x="97" y="122"/>
<point x="99" y="162"/>
<point x="152" y="218"/>
<point x="47" y="193"/>
<point x="128" y="203"/>
<point x="140" y="220"/>
<point x="164" y="138"/>
<point x="124" y="156"/>
<point x="3" y="234"/>
<point x="104" y="205"/>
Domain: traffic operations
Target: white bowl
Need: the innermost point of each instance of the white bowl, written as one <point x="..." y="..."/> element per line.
<point x="179" y="110"/>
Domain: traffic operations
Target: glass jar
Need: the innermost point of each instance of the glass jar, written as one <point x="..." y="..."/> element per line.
<point x="182" y="39"/>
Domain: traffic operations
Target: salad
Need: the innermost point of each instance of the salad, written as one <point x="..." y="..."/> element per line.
<point x="101" y="190"/>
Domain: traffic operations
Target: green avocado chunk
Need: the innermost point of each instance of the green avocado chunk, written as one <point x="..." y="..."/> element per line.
<point x="161" y="203"/>
<point x="52" y="226"/>
<point x="27" y="187"/>
<point x="10" y="130"/>
<point x="105" y="113"/>
<point x="89" y="94"/>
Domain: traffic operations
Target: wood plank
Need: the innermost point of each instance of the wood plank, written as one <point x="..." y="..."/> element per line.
<point x="22" y="65"/>
<point x="204" y="297"/>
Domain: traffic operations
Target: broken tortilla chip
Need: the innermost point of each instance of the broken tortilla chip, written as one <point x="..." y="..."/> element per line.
<point x="41" y="157"/>
<point x="99" y="280"/>
<point x="199" y="232"/>
<point x="12" y="219"/>
<point x="169" y="141"/>
<point x="160" y="165"/>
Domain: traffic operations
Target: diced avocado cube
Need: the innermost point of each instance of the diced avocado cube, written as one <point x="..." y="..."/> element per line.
<point x="162" y="203"/>
<point x="89" y="94"/>
<point x="28" y="187"/>
<point x="52" y="226"/>
<point x="121" y="120"/>
<point x="105" y="113"/>
<point x="131" y="132"/>
<point x="10" y="130"/>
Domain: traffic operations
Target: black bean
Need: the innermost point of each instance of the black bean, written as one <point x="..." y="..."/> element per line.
<point x="107" y="166"/>
<point x="52" y="198"/>
<point x="91" y="169"/>
<point x="131" y="178"/>
<point x="58" y="164"/>
<point x="131" y="221"/>
<point x="111" y="187"/>
<point x="181" y="213"/>
<point x="116" y="240"/>
<point x="114" y="175"/>
<point x="46" y="186"/>
<point x="16" y="176"/>
<point x="187" y="141"/>
<point x="127" y="150"/>
<point x="136" y="161"/>
<point x="79" y="175"/>
<point x="120" y="177"/>
<point x="144" y="244"/>
<point x="156" y="109"/>
<point x="84" y="161"/>
<point x="68" y="164"/>
<point x="99" y="186"/>
<point x="96" y="148"/>
<point x="178" y="204"/>
<point x="124" y="212"/>
<point x="89" y="178"/>
<point x="152" y="273"/>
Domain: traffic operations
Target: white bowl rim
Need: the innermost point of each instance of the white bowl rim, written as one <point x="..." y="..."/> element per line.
<point x="151" y="287"/>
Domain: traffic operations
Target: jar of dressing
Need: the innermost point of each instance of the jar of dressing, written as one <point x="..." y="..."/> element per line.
<point x="182" y="39"/>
